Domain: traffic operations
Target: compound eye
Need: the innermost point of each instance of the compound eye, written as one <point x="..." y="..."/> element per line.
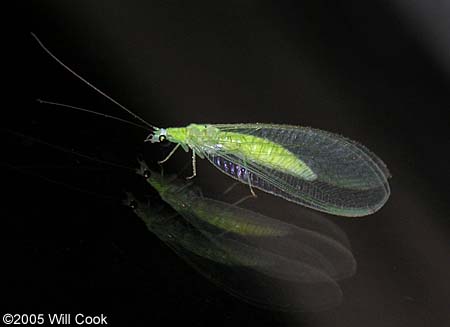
<point x="147" y="173"/>
<point x="162" y="138"/>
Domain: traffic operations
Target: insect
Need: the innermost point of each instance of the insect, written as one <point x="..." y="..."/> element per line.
<point x="310" y="167"/>
<point x="243" y="251"/>
<point x="314" y="168"/>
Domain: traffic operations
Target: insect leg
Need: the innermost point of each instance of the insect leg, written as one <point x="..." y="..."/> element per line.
<point x="250" y="183"/>
<point x="232" y="186"/>
<point x="170" y="154"/>
<point x="245" y="198"/>
<point x="251" y="188"/>
<point x="194" y="167"/>
<point x="187" y="185"/>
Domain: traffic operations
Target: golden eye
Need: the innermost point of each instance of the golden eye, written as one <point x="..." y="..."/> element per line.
<point x="162" y="138"/>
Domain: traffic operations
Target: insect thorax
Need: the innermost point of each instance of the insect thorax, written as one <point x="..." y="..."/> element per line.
<point x="194" y="135"/>
<point x="176" y="134"/>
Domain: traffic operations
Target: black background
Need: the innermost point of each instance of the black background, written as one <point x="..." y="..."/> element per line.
<point x="372" y="71"/>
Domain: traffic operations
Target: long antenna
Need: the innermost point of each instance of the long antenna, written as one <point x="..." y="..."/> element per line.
<point x="57" y="104"/>
<point x="89" y="84"/>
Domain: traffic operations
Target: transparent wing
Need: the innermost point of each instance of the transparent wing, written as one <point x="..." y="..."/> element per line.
<point x="261" y="290"/>
<point x="219" y="220"/>
<point x="351" y="181"/>
<point x="252" y="274"/>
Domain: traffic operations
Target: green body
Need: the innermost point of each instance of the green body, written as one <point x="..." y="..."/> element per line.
<point x="208" y="139"/>
<point x="228" y="218"/>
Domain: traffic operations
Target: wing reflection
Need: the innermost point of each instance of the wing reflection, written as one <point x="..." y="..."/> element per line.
<point x="259" y="259"/>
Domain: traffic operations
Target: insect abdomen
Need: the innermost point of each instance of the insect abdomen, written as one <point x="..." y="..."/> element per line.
<point x="265" y="153"/>
<point x="225" y="218"/>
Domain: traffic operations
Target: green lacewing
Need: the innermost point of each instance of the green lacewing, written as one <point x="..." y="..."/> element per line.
<point x="310" y="167"/>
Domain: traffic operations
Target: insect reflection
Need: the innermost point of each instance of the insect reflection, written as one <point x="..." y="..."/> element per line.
<point x="261" y="260"/>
